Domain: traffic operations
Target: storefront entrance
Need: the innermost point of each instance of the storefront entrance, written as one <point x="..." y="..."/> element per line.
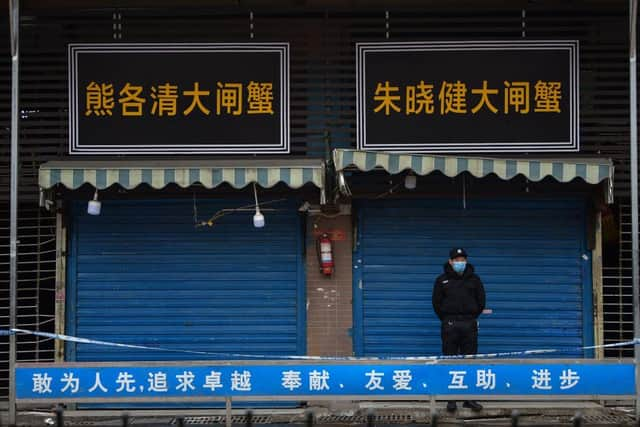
<point x="142" y="273"/>
<point x="531" y="255"/>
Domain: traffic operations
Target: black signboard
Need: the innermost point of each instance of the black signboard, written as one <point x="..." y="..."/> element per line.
<point x="179" y="98"/>
<point x="517" y="96"/>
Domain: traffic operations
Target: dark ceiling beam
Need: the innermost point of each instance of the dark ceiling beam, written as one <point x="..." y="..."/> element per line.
<point x="311" y="4"/>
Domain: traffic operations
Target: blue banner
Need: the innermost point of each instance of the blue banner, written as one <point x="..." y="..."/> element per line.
<point x="85" y="382"/>
<point x="73" y="382"/>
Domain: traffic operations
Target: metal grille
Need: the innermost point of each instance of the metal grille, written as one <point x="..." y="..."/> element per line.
<point x="617" y="286"/>
<point x="36" y="285"/>
<point x="382" y="418"/>
<point x="619" y="420"/>
<point x="41" y="107"/>
<point x="221" y="419"/>
<point x="70" y="422"/>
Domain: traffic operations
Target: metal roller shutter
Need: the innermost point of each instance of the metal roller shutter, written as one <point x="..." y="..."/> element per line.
<point x="141" y="273"/>
<point x="530" y="255"/>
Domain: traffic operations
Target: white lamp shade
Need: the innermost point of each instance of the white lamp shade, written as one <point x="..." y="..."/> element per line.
<point x="410" y="182"/>
<point x="258" y="220"/>
<point x="94" y="207"/>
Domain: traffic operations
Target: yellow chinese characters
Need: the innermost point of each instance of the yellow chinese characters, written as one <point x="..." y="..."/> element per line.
<point x="548" y="95"/>
<point x="131" y="101"/>
<point x="516" y="95"/>
<point x="169" y="100"/>
<point x="459" y="98"/>
<point x="386" y="95"/>
<point x="419" y="99"/>
<point x="484" y="98"/>
<point x="453" y="97"/>
<point x="229" y="98"/>
<point x="260" y="98"/>
<point x="99" y="99"/>
<point x="165" y="100"/>
<point x="195" y="95"/>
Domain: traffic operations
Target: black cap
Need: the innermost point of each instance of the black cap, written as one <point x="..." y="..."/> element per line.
<point x="456" y="252"/>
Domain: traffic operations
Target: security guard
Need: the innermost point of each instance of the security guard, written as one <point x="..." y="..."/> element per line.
<point x="458" y="299"/>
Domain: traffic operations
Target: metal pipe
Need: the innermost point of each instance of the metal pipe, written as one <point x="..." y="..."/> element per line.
<point x="228" y="411"/>
<point x="515" y="418"/>
<point x="59" y="416"/>
<point x="14" y="11"/>
<point x="577" y="420"/>
<point x="371" y="420"/>
<point x="633" y="116"/>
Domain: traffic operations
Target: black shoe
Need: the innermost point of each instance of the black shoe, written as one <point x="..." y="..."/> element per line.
<point x="475" y="406"/>
<point x="451" y="406"/>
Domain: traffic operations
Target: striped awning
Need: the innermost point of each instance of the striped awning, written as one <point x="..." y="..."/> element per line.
<point x="160" y="173"/>
<point x="592" y="171"/>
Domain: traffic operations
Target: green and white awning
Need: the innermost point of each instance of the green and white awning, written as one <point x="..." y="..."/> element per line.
<point x="160" y="173"/>
<point x="592" y="171"/>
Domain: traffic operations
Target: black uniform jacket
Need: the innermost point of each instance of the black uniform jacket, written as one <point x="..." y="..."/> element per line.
<point x="458" y="295"/>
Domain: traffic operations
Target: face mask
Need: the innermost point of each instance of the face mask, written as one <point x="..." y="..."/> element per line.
<point x="459" y="266"/>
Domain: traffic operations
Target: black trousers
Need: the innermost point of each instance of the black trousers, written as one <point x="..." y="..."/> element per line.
<point x="459" y="336"/>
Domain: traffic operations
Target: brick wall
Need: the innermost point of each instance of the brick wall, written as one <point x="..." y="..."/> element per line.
<point x="329" y="312"/>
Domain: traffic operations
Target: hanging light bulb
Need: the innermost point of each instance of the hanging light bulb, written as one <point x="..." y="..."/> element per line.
<point x="258" y="218"/>
<point x="94" y="206"/>
<point x="410" y="181"/>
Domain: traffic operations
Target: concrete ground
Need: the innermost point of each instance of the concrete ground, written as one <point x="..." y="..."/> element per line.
<point x="386" y="414"/>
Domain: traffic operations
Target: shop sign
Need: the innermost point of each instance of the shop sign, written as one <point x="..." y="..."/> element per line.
<point x="179" y="98"/>
<point x="430" y="97"/>
<point x="183" y="380"/>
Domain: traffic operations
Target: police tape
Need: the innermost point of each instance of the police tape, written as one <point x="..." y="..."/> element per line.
<point x="70" y="338"/>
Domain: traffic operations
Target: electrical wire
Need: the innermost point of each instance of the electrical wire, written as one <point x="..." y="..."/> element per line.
<point x="222" y="212"/>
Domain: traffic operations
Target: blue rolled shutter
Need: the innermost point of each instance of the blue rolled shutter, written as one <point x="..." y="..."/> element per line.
<point x="529" y="255"/>
<point x="141" y="273"/>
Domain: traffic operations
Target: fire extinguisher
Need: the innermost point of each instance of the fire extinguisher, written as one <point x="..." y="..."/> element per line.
<point x="325" y="254"/>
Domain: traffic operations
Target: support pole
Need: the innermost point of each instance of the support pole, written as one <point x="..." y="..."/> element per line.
<point x="14" y="19"/>
<point x="633" y="117"/>
<point x="228" y="412"/>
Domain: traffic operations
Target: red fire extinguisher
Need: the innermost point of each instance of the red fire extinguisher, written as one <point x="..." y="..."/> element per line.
<point x="325" y="254"/>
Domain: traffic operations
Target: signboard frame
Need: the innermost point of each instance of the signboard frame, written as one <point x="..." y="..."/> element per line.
<point x="458" y="145"/>
<point x="79" y="147"/>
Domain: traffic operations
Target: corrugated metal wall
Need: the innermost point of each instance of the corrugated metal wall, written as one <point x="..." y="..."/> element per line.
<point x="323" y="60"/>
<point x="141" y="273"/>
<point x="527" y="253"/>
